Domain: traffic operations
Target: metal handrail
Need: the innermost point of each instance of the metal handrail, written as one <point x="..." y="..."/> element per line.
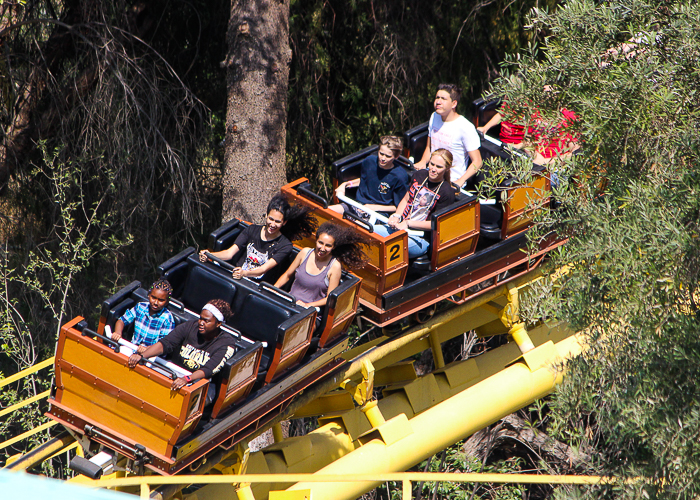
<point x="26" y="371"/>
<point x="27" y="434"/>
<point x="24" y="403"/>
<point x="5" y="411"/>
<point x="406" y="478"/>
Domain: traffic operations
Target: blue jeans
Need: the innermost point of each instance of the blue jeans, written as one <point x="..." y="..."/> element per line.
<point x="417" y="246"/>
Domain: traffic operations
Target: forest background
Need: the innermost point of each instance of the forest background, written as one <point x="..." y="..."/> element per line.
<point x="114" y="120"/>
<point x="113" y="117"/>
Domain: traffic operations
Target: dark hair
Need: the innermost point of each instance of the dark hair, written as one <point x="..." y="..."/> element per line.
<point x="454" y="91"/>
<point x="348" y="245"/>
<point x="300" y="223"/>
<point x="222" y="306"/>
<point x="162" y="284"/>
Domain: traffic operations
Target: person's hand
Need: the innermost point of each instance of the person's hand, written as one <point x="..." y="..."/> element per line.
<point x="340" y="190"/>
<point x="134" y="360"/>
<point x="394" y="220"/>
<point x="237" y="273"/>
<point x="178" y="384"/>
<point x="302" y="304"/>
<point x="420" y="165"/>
<point x="140" y="349"/>
<point x="116" y="336"/>
<point x="481" y="129"/>
<point x="202" y="257"/>
<point x="402" y="225"/>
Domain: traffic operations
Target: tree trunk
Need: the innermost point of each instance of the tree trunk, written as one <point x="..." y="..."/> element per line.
<point x="256" y="116"/>
<point x="515" y="429"/>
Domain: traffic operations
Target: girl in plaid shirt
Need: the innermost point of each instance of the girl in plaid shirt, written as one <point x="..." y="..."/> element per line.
<point x="152" y="320"/>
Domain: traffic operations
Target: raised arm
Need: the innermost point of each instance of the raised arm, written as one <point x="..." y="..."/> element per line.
<point x="495" y="120"/>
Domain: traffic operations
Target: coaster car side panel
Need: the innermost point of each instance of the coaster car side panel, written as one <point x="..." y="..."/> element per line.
<point x="236" y="378"/>
<point x="137" y="406"/>
<point x="388" y="256"/>
<point x="455" y="231"/>
<point x="340" y="310"/>
<point x="524" y="201"/>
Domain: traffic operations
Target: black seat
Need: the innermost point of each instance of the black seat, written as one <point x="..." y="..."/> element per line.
<point x="415" y="141"/>
<point x="203" y="285"/>
<point x="225" y="236"/>
<point x="259" y="319"/>
<point x="117" y="311"/>
<point x="175" y="270"/>
<point x="491" y="221"/>
<point x="484" y="109"/>
<point x="176" y="276"/>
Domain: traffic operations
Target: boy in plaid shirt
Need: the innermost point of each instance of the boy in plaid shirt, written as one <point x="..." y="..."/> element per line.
<point x="152" y="320"/>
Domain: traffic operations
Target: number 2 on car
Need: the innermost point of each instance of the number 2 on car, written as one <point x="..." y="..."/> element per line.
<point x="395" y="254"/>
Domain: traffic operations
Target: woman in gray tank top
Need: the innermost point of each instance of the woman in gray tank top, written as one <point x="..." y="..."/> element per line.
<point x="317" y="270"/>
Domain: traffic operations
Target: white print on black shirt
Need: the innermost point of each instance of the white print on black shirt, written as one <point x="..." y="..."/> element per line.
<point x="254" y="258"/>
<point x="194" y="358"/>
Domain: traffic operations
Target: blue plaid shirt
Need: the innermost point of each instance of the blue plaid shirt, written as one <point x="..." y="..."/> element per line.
<point x="148" y="328"/>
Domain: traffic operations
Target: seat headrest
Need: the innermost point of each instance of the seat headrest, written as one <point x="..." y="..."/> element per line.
<point x="258" y="319"/>
<point x="203" y="285"/>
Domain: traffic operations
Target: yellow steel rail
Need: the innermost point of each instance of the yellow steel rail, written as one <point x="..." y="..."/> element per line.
<point x="27" y="434"/>
<point x="26" y="371"/>
<point x="406" y="478"/>
<point x="6" y="411"/>
<point x="24" y="403"/>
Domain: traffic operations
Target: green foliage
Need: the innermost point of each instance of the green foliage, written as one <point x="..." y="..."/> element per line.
<point x="364" y="69"/>
<point x="453" y="459"/>
<point x="456" y="461"/>
<point x="629" y="206"/>
<point x="38" y="288"/>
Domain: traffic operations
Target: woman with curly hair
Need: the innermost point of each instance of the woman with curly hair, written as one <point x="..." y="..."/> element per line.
<point x="197" y="345"/>
<point x="317" y="270"/>
<point x="265" y="246"/>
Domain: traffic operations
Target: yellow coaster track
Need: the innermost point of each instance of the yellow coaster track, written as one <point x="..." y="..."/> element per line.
<point x="415" y="417"/>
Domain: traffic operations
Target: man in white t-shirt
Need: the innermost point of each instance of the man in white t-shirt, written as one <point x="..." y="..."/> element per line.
<point x="450" y="130"/>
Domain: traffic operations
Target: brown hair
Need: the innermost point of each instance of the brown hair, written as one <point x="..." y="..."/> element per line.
<point x="347" y="247"/>
<point x="300" y="222"/>
<point x="223" y="307"/>
<point x="394" y="143"/>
